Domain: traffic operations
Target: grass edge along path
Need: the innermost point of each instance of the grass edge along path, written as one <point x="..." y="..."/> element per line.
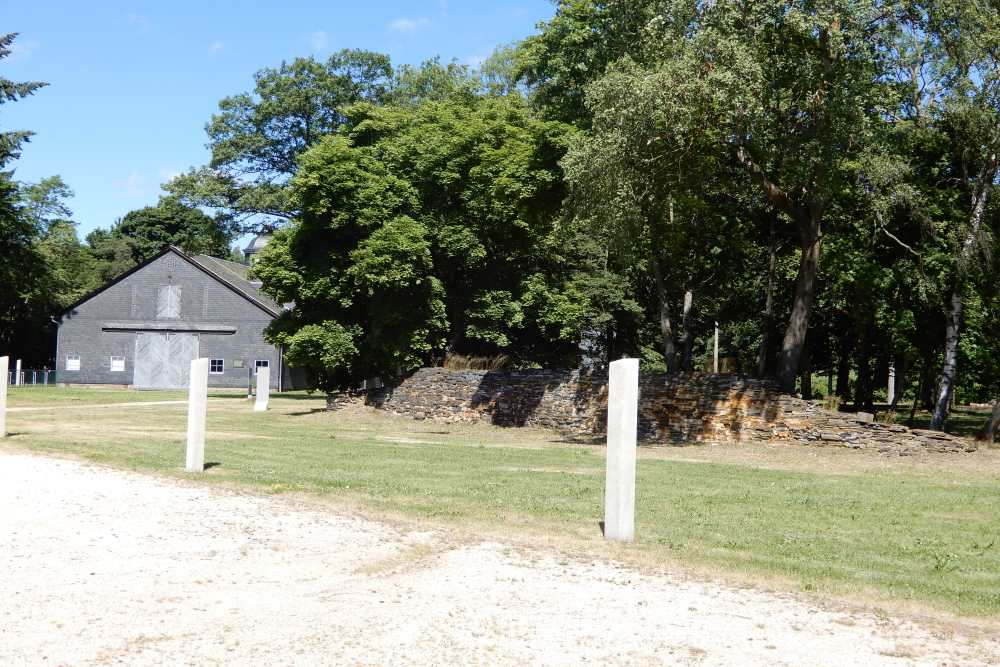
<point x="927" y="537"/>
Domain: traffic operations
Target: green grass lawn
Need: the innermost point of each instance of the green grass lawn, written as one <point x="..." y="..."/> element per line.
<point x="832" y="521"/>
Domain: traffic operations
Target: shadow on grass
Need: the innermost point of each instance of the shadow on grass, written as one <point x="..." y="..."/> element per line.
<point x="242" y="395"/>
<point x="298" y="395"/>
<point x="233" y="395"/>
<point x="306" y="413"/>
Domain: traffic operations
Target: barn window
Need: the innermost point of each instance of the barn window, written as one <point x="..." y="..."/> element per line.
<point x="168" y="302"/>
<point x="217" y="367"/>
<point x="72" y="362"/>
<point x="260" y="363"/>
<point x="117" y="364"/>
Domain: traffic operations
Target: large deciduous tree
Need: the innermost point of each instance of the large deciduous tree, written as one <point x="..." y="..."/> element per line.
<point x="171" y="222"/>
<point x="787" y="89"/>
<point x="424" y="229"/>
<point x="968" y="34"/>
<point x="257" y="137"/>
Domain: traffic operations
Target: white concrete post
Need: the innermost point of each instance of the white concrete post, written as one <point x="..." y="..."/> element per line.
<point x="4" y="375"/>
<point x="892" y="383"/>
<point x="17" y="374"/>
<point x="715" y="359"/>
<point x="263" y="389"/>
<point x="619" y="489"/>
<point x="197" y="408"/>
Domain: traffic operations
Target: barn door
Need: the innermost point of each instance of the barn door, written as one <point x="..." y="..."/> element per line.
<point x="150" y="360"/>
<point x="183" y="348"/>
<point x="163" y="361"/>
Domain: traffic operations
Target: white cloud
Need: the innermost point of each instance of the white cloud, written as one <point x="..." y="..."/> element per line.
<point x="134" y="185"/>
<point x="475" y="62"/>
<point x="139" y="21"/>
<point x="169" y="174"/>
<point x="218" y="46"/>
<point x="407" y="25"/>
<point x="22" y="50"/>
<point x="318" y="40"/>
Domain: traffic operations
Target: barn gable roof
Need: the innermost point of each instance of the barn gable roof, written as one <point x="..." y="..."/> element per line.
<point x="229" y="274"/>
<point x="235" y="276"/>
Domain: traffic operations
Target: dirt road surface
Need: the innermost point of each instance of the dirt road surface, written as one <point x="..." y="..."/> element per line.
<point x="105" y="567"/>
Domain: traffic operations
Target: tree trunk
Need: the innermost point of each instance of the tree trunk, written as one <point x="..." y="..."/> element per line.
<point x="993" y="423"/>
<point x="767" y="320"/>
<point x="805" y="292"/>
<point x="916" y="396"/>
<point x="980" y="194"/>
<point x="687" y="334"/>
<point x="844" y="369"/>
<point x="863" y="396"/>
<point x="900" y="383"/>
<point x="666" y="329"/>
<point x="806" y="363"/>
<point x="954" y="319"/>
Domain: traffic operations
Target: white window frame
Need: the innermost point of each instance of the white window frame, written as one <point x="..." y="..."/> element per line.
<point x="70" y="358"/>
<point x="211" y="365"/>
<point x="121" y="368"/>
<point x="260" y="363"/>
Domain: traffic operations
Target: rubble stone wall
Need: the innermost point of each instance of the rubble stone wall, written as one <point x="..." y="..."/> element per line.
<point x="691" y="407"/>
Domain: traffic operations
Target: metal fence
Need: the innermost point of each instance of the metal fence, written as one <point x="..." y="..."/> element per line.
<point x="31" y="378"/>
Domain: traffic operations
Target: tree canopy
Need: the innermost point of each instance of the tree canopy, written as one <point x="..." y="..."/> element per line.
<point x="424" y="229"/>
<point x="818" y="179"/>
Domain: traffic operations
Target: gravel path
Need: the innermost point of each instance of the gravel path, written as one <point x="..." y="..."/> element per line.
<point x="99" y="566"/>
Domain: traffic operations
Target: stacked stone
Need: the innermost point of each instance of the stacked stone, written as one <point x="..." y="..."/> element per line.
<point x="691" y="407"/>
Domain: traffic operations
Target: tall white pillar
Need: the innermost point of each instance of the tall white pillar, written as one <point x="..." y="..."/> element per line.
<point x="263" y="389"/>
<point x="619" y="489"/>
<point x="4" y="375"/>
<point x="17" y="373"/>
<point x="197" y="409"/>
<point x="892" y="383"/>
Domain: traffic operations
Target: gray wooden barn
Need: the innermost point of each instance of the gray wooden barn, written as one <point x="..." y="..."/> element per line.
<point x="144" y="328"/>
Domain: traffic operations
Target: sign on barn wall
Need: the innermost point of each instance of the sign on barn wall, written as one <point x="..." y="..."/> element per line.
<point x="163" y="361"/>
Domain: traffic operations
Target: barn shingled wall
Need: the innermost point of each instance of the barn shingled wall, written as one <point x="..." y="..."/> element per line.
<point x="693" y="407"/>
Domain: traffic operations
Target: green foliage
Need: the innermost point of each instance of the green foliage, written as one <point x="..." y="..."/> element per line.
<point x="257" y="138"/>
<point x="10" y="91"/>
<point x="428" y="228"/>
<point x="171" y="222"/>
<point x="615" y="183"/>
<point x="327" y="350"/>
<point x="431" y="80"/>
<point x="730" y="121"/>
<point x="23" y="272"/>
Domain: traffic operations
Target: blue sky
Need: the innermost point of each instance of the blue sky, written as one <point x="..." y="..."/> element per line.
<point x="132" y="84"/>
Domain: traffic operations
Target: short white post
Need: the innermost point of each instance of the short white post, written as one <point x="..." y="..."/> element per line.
<point x="263" y="389"/>
<point x="197" y="409"/>
<point x="619" y="489"/>
<point x="17" y="374"/>
<point x="4" y="375"/>
<point x="715" y="362"/>
<point x="891" y="393"/>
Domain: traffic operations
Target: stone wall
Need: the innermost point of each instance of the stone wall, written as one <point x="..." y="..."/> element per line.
<point x="696" y="407"/>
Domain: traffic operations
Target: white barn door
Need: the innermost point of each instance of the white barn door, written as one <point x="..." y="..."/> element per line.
<point x="163" y="361"/>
